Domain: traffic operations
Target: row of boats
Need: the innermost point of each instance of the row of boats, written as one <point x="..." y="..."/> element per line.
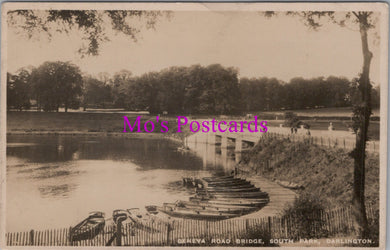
<point x="95" y="222"/>
<point x="218" y="198"/>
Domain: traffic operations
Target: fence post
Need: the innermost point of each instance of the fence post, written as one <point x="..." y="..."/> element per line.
<point x="119" y="230"/>
<point x="269" y="226"/>
<point x="168" y="232"/>
<point x="118" y="234"/>
<point x="31" y="237"/>
<point x="70" y="236"/>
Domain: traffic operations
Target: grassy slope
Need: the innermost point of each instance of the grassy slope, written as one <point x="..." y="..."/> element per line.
<point x="325" y="173"/>
<point x="85" y="122"/>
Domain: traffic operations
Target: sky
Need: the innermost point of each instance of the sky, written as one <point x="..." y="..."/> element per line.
<point x="281" y="47"/>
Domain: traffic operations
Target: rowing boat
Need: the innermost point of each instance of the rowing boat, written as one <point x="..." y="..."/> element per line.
<point x="212" y="206"/>
<point x="88" y="228"/>
<point x="210" y="210"/>
<point x="235" y="180"/>
<point x="234" y="202"/>
<point x="219" y="178"/>
<point x="231" y="190"/>
<point x="246" y="195"/>
<point x="233" y="187"/>
<point x="196" y="215"/>
<point x="228" y="184"/>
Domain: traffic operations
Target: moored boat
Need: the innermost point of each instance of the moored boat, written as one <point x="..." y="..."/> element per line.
<point x="228" y="184"/>
<point x="234" y="180"/>
<point x="88" y="228"/>
<point x="219" y="178"/>
<point x="232" y="186"/>
<point x="246" y="195"/>
<point x="196" y="214"/>
<point x="151" y="209"/>
<point x="213" y="207"/>
<point x="119" y="214"/>
<point x="235" y="202"/>
<point x="231" y="190"/>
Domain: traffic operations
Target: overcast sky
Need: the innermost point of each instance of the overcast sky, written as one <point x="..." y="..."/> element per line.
<point x="280" y="47"/>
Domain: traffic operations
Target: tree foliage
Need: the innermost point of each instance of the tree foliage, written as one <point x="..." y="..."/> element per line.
<point x="366" y="21"/>
<point x="55" y="84"/>
<point x="18" y="90"/>
<point x="91" y="24"/>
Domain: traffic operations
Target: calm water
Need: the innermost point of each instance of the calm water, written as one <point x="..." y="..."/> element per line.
<point x="55" y="181"/>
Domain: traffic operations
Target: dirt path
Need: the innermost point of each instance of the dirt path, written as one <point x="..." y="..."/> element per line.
<point x="278" y="195"/>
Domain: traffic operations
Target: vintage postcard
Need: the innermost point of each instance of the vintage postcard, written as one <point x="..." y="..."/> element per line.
<point x="233" y="125"/>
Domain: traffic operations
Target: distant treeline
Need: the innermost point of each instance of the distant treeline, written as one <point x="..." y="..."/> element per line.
<point x="213" y="89"/>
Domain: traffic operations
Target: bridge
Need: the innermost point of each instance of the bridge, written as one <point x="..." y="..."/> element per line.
<point x="241" y="140"/>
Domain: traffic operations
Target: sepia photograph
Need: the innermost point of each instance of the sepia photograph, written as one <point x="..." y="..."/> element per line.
<point x="232" y="125"/>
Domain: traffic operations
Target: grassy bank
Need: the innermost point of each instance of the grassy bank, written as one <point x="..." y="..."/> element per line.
<point x="41" y="122"/>
<point x="325" y="173"/>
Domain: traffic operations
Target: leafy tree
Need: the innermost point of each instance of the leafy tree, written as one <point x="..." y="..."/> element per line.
<point x="18" y="90"/>
<point x="96" y="93"/>
<point x="91" y="24"/>
<point x="365" y="20"/>
<point x="291" y="120"/>
<point x="55" y="84"/>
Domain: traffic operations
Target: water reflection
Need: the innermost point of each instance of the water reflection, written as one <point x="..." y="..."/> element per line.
<point x="149" y="153"/>
<point x="213" y="155"/>
<point x="73" y="175"/>
<point x="56" y="190"/>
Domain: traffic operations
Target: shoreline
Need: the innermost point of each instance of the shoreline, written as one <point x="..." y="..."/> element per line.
<point x="86" y="133"/>
<point x="169" y="136"/>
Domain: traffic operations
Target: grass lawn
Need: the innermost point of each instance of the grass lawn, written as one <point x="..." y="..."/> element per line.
<point x="322" y="112"/>
<point x="113" y="122"/>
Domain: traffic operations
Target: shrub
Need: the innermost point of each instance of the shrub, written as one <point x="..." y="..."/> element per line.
<point x="304" y="217"/>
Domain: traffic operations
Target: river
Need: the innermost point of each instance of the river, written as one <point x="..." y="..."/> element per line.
<point x="55" y="181"/>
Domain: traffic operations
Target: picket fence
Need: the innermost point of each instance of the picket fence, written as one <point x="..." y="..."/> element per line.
<point x="336" y="222"/>
<point x="330" y="142"/>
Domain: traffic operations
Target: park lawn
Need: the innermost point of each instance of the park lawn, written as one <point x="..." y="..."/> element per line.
<point x="322" y="112"/>
<point x="113" y="122"/>
<point x="373" y="129"/>
<point x="81" y="122"/>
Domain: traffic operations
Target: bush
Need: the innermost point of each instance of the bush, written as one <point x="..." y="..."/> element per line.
<point x="291" y="120"/>
<point x="304" y="216"/>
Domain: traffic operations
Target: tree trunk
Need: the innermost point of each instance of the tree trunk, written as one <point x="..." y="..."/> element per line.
<point x="362" y="113"/>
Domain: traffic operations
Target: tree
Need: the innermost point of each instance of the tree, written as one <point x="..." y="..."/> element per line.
<point x="18" y="90"/>
<point x="366" y="20"/>
<point x="55" y="84"/>
<point x="96" y="93"/>
<point x="291" y="120"/>
<point x="89" y="22"/>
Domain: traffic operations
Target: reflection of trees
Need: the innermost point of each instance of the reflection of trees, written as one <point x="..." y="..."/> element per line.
<point x="52" y="149"/>
<point x="145" y="152"/>
<point x="56" y="190"/>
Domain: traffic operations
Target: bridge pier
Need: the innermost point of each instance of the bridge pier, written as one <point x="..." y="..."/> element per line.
<point x="238" y="146"/>
<point x="211" y="138"/>
<point x="224" y="142"/>
<point x="237" y="156"/>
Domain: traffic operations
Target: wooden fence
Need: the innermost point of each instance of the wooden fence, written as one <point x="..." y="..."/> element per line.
<point x="343" y="143"/>
<point x="336" y="222"/>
